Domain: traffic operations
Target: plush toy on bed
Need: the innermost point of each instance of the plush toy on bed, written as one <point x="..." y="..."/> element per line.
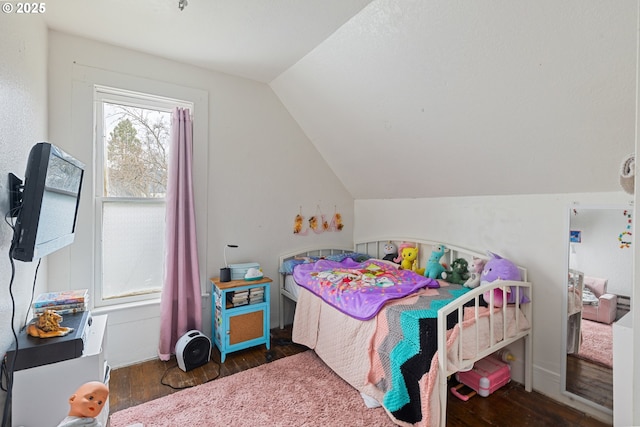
<point x="474" y="269"/>
<point x="398" y="259"/>
<point x="498" y="268"/>
<point x="390" y="251"/>
<point x="458" y="273"/>
<point x="434" y="269"/>
<point x="410" y="260"/>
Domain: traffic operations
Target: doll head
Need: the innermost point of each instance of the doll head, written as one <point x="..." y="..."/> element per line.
<point x="88" y="400"/>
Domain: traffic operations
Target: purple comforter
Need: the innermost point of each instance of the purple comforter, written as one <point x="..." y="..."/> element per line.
<point x="359" y="289"/>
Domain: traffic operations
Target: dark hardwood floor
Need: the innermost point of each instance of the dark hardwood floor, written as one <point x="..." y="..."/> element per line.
<point x="510" y="405"/>
<point x="590" y="380"/>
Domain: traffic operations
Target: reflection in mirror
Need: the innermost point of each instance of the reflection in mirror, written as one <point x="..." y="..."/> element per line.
<point x="599" y="282"/>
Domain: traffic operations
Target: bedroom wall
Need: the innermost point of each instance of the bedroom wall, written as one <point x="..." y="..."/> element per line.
<point x="23" y="108"/>
<point x="259" y="170"/>
<point x="599" y="253"/>
<point x="528" y="229"/>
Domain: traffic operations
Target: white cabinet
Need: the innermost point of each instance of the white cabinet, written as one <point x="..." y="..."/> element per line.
<point x="41" y="394"/>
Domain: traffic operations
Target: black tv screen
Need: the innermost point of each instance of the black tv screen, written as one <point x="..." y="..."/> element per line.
<point x="48" y="209"/>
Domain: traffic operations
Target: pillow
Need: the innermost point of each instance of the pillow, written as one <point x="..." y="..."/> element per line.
<point x="288" y="266"/>
<point x="356" y="256"/>
<point x="589" y="297"/>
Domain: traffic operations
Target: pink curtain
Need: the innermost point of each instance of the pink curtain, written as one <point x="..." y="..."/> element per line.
<point x="181" y="305"/>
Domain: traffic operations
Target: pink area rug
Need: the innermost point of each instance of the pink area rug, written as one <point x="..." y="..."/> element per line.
<point x="597" y="343"/>
<point x="298" y="390"/>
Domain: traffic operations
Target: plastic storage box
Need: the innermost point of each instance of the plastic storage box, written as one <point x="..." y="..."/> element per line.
<point x="486" y="376"/>
<point x="239" y="270"/>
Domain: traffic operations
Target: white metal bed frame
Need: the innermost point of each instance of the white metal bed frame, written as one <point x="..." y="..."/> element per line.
<point x="374" y="248"/>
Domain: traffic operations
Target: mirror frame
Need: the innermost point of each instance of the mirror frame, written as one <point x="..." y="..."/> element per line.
<point x="565" y="301"/>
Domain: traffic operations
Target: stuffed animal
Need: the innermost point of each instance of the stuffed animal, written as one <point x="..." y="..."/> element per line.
<point x="398" y="259"/>
<point x="434" y="269"/>
<point x="458" y="273"/>
<point x="498" y="268"/>
<point x="409" y="257"/>
<point x="474" y="269"/>
<point x="390" y="251"/>
<point x="47" y="325"/>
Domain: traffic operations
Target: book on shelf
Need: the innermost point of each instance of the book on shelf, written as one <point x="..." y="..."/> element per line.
<point x="240" y="293"/>
<point x="237" y="299"/>
<point x="48" y="299"/>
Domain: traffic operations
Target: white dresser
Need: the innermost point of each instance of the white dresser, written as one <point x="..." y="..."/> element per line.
<point x="41" y="394"/>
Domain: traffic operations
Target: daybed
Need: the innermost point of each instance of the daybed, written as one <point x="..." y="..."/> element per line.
<point x="403" y="355"/>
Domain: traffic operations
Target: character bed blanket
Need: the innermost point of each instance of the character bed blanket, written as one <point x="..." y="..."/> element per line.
<point x="403" y="346"/>
<point x="359" y="289"/>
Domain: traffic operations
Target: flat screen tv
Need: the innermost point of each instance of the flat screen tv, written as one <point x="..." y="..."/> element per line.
<point x="47" y="205"/>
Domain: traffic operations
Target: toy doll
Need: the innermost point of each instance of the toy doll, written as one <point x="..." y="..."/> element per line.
<point x="86" y="404"/>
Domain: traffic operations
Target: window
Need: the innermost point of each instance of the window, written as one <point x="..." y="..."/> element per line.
<point x="133" y="132"/>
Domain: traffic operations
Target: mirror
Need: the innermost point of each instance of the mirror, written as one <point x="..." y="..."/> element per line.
<point x="598" y="290"/>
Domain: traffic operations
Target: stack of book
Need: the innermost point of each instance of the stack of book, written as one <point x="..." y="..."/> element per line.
<point x="256" y="295"/>
<point x="63" y="302"/>
<point x="238" y="298"/>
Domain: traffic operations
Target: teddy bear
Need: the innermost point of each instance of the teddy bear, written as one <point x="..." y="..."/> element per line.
<point x="474" y="269"/>
<point x="434" y="269"/>
<point x="458" y="273"/>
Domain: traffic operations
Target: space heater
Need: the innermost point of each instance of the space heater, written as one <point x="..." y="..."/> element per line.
<point x="193" y="349"/>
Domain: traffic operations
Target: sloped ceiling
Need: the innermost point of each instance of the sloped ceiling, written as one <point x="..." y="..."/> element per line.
<point x="452" y="98"/>
<point x="417" y="98"/>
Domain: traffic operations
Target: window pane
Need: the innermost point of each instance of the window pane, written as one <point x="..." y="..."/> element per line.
<point x="136" y="151"/>
<point x="133" y="248"/>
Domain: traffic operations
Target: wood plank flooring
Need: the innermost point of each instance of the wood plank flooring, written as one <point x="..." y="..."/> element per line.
<point x="590" y="380"/>
<point x="509" y="406"/>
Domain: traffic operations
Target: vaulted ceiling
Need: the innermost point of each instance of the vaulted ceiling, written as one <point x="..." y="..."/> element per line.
<point x="417" y="98"/>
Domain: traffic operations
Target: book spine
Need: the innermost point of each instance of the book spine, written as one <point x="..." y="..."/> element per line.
<point x="49" y="303"/>
<point x="63" y="311"/>
<point x="61" y="306"/>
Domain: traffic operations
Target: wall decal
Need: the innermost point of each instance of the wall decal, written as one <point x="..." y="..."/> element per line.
<point x="298" y="224"/>
<point x="318" y="223"/>
<point x="625" y="237"/>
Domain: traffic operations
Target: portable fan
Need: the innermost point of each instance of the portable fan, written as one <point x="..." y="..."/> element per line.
<point x="193" y="349"/>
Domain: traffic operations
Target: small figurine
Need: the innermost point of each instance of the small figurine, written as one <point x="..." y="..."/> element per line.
<point x="47" y="325"/>
<point x="86" y="404"/>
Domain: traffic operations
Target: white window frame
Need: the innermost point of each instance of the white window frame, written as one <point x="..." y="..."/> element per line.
<point x="108" y="94"/>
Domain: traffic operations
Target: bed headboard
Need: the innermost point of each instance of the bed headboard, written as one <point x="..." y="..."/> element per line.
<point x="374" y="247"/>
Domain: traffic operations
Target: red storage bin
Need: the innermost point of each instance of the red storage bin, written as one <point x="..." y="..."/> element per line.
<point x="486" y="376"/>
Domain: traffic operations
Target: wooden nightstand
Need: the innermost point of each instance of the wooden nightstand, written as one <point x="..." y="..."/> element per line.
<point x="240" y="314"/>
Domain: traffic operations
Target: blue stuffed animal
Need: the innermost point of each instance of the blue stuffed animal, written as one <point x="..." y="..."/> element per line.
<point x="434" y="269"/>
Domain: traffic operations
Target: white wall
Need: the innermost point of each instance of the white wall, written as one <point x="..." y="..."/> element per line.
<point x="254" y="170"/>
<point x="531" y="230"/>
<point x="23" y="108"/>
<point x="599" y="253"/>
